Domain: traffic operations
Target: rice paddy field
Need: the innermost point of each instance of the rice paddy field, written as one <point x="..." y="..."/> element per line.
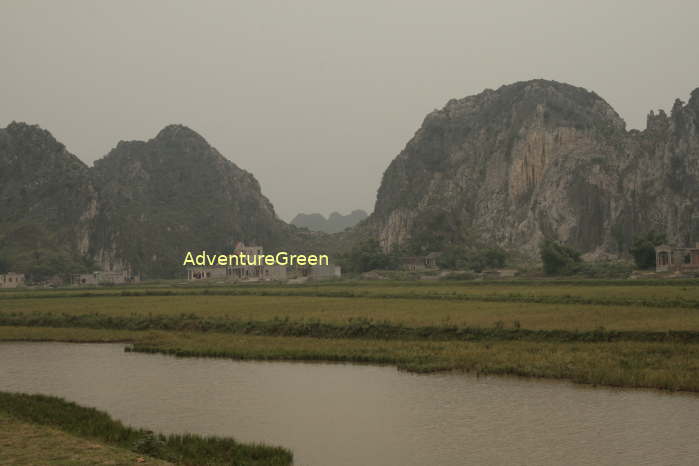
<point x="621" y="333"/>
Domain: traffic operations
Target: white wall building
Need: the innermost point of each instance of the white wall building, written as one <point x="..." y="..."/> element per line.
<point x="11" y="280"/>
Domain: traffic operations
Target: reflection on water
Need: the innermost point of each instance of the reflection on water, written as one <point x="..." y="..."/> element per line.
<point x="340" y="414"/>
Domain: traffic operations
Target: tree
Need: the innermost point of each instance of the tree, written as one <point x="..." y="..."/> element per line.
<point x="368" y="255"/>
<point x="457" y="257"/>
<point x="454" y="258"/>
<point x="492" y="258"/>
<point x="558" y="259"/>
<point x="643" y="249"/>
<point x="4" y="265"/>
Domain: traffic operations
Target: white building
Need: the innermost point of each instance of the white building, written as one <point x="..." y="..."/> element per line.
<point x="325" y="272"/>
<point x="11" y="280"/>
<point x="100" y="278"/>
<point x="250" y="273"/>
<point x="206" y="273"/>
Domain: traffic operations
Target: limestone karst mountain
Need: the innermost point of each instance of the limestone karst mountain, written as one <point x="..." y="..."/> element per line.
<point x="335" y="223"/>
<point x="47" y="200"/>
<point x="140" y="208"/>
<point x="173" y="193"/>
<point x="541" y="159"/>
<point x="507" y="167"/>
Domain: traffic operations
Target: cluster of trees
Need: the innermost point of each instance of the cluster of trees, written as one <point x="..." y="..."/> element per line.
<point x="42" y="264"/>
<point x="643" y="249"/>
<point x="559" y="259"/>
<point x="461" y="258"/>
<point x="368" y="255"/>
<point x="39" y="252"/>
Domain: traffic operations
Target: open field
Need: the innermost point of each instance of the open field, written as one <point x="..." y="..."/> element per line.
<point x="341" y="311"/>
<point x="591" y="292"/>
<point x="40" y="429"/>
<point x="597" y="332"/>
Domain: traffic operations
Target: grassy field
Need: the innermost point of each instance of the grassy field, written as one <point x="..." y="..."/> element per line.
<point x="622" y="333"/>
<point x="42" y="429"/>
<point x="26" y="444"/>
<point x="644" y="292"/>
<point x="408" y="312"/>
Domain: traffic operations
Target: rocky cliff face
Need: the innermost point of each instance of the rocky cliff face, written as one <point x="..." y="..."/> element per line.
<point x="140" y="208"/>
<point x="541" y="159"/>
<point x="47" y="199"/>
<point x="174" y="193"/>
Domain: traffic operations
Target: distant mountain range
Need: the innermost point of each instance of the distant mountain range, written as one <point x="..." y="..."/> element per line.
<point x="508" y="167"/>
<point x="333" y="224"/>
<point x="140" y="208"/>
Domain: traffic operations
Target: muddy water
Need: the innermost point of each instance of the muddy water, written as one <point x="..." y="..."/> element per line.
<point x="341" y="414"/>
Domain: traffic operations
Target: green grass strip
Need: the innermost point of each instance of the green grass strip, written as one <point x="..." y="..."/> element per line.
<point x="354" y="328"/>
<point x="185" y="449"/>
<point x="453" y="296"/>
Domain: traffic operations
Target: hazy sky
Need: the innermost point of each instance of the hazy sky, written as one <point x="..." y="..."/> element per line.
<point x="315" y="98"/>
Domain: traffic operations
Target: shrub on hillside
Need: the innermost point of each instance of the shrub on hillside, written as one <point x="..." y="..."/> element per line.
<point x="559" y="259"/>
<point x="643" y="249"/>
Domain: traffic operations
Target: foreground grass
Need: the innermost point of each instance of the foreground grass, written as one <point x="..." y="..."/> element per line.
<point x="26" y="444"/>
<point x="91" y="424"/>
<point x="669" y="366"/>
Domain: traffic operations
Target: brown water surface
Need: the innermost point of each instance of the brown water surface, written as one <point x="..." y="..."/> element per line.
<point x="343" y="414"/>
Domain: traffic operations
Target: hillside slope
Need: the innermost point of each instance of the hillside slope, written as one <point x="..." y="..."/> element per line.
<point x="174" y="193"/>
<point x="47" y="202"/>
<point x="541" y="159"/>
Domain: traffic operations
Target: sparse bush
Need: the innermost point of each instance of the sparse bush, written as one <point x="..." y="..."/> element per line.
<point x="367" y="256"/>
<point x="558" y="259"/>
<point x="458" y="258"/>
<point x="643" y="249"/>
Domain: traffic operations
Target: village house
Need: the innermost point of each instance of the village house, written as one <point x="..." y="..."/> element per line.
<point x="302" y="274"/>
<point x="500" y="273"/>
<point x="276" y="273"/>
<point x="671" y="259"/>
<point x="103" y="278"/>
<point x="240" y="272"/>
<point x="11" y="280"/>
<point x="420" y="263"/>
<point x="253" y="273"/>
<point x="325" y="272"/>
<point x="205" y="273"/>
